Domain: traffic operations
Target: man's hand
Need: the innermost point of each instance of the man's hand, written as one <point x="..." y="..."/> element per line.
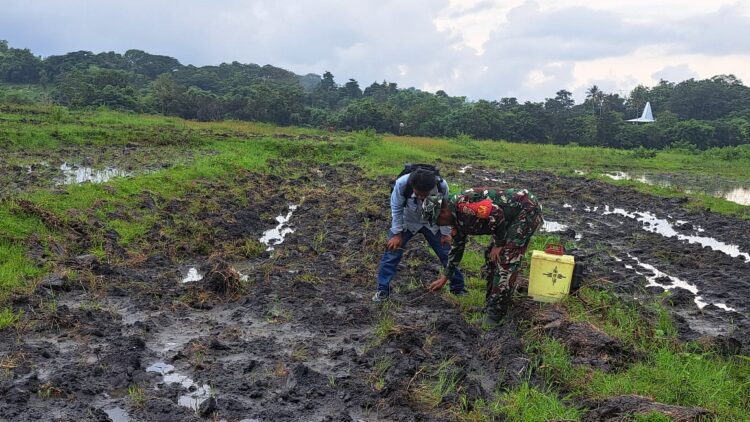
<point x="438" y="284"/>
<point x="446" y="240"/>
<point x="394" y="242"/>
<point x="495" y="253"/>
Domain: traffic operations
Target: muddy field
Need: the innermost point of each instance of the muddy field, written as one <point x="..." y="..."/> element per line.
<point x="290" y="333"/>
<point x="22" y="171"/>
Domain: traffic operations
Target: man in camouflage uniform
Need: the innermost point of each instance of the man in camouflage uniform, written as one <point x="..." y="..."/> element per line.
<point x="511" y="216"/>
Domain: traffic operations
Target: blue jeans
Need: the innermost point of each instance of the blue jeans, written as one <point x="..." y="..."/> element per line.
<point x="391" y="259"/>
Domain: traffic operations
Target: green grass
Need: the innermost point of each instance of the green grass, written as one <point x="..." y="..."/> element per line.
<point x="688" y="379"/>
<point x="8" y="318"/>
<point x="669" y="372"/>
<point x="652" y="417"/>
<point x="523" y="404"/>
<point x="137" y="396"/>
<point x="440" y="381"/>
<point x="622" y="320"/>
<point x="16" y="269"/>
<point x="382" y="365"/>
<point x="667" y="375"/>
<point x="386" y="326"/>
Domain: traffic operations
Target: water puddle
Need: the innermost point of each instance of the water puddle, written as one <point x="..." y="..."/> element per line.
<point x="675" y="283"/>
<point x="194" y="399"/>
<point x="192" y="275"/>
<point x="196" y="393"/>
<point x="653" y="224"/>
<point x="276" y="235"/>
<point x="553" y="226"/>
<point x="117" y="414"/>
<point x="618" y="175"/>
<point x="720" y="188"/>
<point x="739" y="195"/>
<point x="74" y="175"/>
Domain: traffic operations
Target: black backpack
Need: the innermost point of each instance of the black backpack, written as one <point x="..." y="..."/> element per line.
<point x="410" y="168"/>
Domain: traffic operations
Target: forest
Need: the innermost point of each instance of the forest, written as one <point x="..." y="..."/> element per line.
<point x="690" y="115"/>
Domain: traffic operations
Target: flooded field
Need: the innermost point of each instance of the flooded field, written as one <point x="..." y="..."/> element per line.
<point x="731" y="191"/>
<point x="182" y="329"/>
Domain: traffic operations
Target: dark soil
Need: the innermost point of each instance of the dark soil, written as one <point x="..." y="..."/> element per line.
<point x="291" y="334"/>
<point x="719" y="277"/>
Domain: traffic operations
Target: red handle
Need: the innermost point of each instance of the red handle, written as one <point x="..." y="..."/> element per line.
<point x="554" y="249"/>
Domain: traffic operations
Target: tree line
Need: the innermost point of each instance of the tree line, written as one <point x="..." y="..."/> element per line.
<point x="706" y="113"/>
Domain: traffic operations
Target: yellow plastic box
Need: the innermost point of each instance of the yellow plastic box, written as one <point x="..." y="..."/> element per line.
<point x="550" y="276"/>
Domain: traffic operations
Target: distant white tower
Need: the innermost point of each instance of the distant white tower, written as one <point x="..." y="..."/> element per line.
<point x="646" y="117"/>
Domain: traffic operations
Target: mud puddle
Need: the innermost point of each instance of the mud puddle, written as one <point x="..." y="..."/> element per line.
<point x="731" y="191"/>
<point x="117" y="414"/>
<point x="275" y="236"/>
<point x="194" y="394"/>
<point x="192" y="275"/>
<point x="21" y="171"/>
<point x="72" y="174"/>
<point x="652" y="223"/>
<point x="675" y="283"/>
<point x="555" y="227"/>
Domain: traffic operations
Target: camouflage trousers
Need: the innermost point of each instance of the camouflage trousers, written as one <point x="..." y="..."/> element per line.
<point x="501" y="275"/>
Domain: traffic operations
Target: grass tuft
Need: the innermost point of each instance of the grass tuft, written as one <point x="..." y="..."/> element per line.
<point x="8" y="318"/>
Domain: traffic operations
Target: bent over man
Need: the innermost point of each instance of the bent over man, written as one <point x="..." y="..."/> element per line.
<point x="511" y="216"/>
<point x="410" y="209"/>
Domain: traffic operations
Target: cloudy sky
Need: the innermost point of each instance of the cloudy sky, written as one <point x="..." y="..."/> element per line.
<point x="479" y="48"/>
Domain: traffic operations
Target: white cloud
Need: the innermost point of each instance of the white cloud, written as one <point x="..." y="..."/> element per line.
<point x="678" y="72"/>
<point x="536" y="77"/>
<point x="479" y="48"/>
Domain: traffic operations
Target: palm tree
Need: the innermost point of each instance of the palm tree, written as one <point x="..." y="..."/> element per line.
<point x="596" y="96"/>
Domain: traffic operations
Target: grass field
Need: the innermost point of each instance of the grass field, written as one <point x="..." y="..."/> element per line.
<point x="668" y="371"/>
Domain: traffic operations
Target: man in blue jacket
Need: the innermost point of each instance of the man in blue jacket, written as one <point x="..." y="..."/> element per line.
<point x="408" y="212"/>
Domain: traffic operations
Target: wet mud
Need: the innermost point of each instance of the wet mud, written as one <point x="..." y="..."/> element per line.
<point x="643" y="244"/>
<point x="21" y="171"/>
<point x="202" y="321"/>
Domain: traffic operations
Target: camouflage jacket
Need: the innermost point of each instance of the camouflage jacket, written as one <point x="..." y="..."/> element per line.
<point x="485" y="211"/>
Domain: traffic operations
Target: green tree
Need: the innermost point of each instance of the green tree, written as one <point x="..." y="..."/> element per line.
<point x="18" y="65"/>
<point x="594" y="99"/>
<point x="150" y="65"/>
<point x="351" y="90"/>
<point x="171" y="98"/>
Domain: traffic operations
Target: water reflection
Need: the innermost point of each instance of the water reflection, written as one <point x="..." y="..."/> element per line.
<point x="74" y="174"/>
<point x="720" y="188"/>
<point x="276" y="235"/>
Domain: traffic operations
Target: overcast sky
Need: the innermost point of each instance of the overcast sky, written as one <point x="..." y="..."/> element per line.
<point x="478" y="48"/>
